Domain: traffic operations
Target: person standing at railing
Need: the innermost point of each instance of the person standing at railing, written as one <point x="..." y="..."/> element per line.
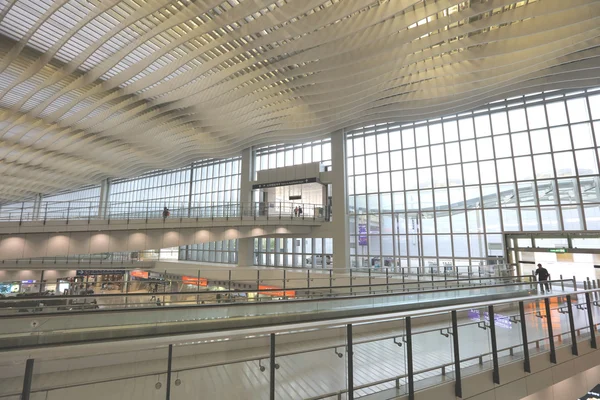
<point x="300" y="211"/>
<point x="166" y="212"/>
<point x="296" y="211"/>
<point x="543" y="275"/>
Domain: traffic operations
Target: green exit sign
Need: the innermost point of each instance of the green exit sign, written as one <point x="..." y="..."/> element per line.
<point x="557" y="250"/>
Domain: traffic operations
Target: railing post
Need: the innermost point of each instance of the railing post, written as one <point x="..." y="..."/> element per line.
<point x="350" y="359"/>
<point x="409" y="360"/>
<point x="572" y="326"/>
<point x="562" y="283"/>
<point x="45" y="213"/>
<point x="284" y="279"/>
<point x="387" y="280"/>
<point x="272" y="370"/>
<point x="330" y="281"/>
<point x="27" y="379"/>
<point x="526" y="364"/>
<point x="457" y="378"/>
<point x="228" y="285"/>
<point x="370" y="281"/>
<point x="351" y="283"/>
<point x="21" y="217"/>
<point x="169" y="364"/>
<point x="68" y="210"/>
<point x="588" y="302"/>
<point x="308" y="280"/>
<point x="550" y="332"/>
<point x="574" y="284"/>
<point x="496" y="373"/>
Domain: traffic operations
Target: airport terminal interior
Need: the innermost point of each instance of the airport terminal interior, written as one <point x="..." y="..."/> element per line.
<point x="299" y="199"/>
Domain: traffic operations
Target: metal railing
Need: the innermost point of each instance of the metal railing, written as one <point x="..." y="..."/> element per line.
<point x="544" y="325"/>
<point x="150" y="209"/>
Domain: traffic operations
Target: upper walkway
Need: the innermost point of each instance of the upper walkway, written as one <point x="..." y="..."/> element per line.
<point x="71" y="228"/>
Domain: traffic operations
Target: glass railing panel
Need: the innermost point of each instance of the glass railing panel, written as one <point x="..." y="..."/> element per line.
<point x="380" y="360"/>
<point x="537" y="326"/>
<point x="508" y="333"/>
<point x="561" y="328"/>
<point x="312" y="364"/>
<point x="432" y="347"/>
<point x="227" y="368"/>
<point x="474" y="340"/>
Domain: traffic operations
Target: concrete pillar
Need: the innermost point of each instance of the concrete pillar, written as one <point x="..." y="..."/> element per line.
<point x="104" y="198"/>
<point x="247" y="176"/>
<point x="341" y="248"/>
<point x="246" y="252"/>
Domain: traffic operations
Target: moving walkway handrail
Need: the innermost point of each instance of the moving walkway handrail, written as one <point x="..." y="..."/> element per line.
<point x="258" y="304"/>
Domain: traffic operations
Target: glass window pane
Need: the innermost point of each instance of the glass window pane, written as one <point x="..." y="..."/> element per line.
<point x="383" y="162"/>
<point x="520" y="143"/>
<point x="572" y="218"/>
<point x="499" y="123"/>
<point x="385" y="202"/>
<point x="408" y="138"/>
<point x="421" y="136"/>
<point x="359" y="146"/>
<point x="590" y="189"/>
<point x="397" y="181"/>
<point x="482" y="126"/>
<point x="592" y="217"/>
<point x="536" y="116"/>
<point x="382" y="142"/>
<point x="487" y="171"/>
<point x="425" y="178"/>
<point x="565" y="166"/>
<point x="471" y="174"/>
<point x="517" y="119"/>
<point x="524" y="168"/>
<point x="461" y="247"/>
<point x="450" y="131"/>
<point x="505" y="170"/>
<point x="578" y="111"/>
<point x="510" y="219"/>
<point x="595" y="106"/>
<point x="452" y="153"/>
<point x="370" y="144"/>
<point x="490" y="196"/>
<point x="410" y="179"/>
<point x="508" y="195"/>
<point x="439" y="177"/>
<point x="423" y="157"/>
<point x="568" y="191"/>
<point x="372" y="186"/>
<point x="396" y="160"/>
<point x="437" y="155"/>
<point x="465" y="128"/>
<point x="436" y="134"/>
<point x="543" y="166"/>
<point x="529" y="218"/>
<point x="455" y="175"/>
<point x="587" y="164"/>
<point x="547" y="192"/>
<point x="527" y="194"/>
<point x="384" y="182"/>
<point x="550" y="218"/>
<point x="371" y="163"/>
<point x="485" y="149"/>
<point x="395" y="141"/>
<point x="502" y="146"/>
<point x="561" y="138"/>
<point x="468" y="151"/>
<point x="492" y="220"/>
<point x="359" y="165"/>
<point x="459" y="222"/>
<point x="540" y="142"/>
<point x="410" y="160"/>
<point x="557" y="113"/>
<point x="582" y="136"/>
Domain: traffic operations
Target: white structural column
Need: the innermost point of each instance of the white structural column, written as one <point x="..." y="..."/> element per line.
<point x="246" y="245"/>
<point x="339" y="227"/>
<point x="37" y="204"/>
<point x="104" y="196"/>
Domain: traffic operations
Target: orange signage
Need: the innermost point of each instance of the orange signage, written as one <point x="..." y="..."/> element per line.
<point x="190" y="280"/>
<point x="138" y="274"/>
<point x="277" y="292"/>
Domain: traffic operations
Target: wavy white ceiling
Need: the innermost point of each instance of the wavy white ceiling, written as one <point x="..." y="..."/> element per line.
<point x="103" y="88"/>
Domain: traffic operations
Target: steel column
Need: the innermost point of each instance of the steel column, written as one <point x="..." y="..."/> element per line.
<point x="169" y="364"/>
<point x="350" y="358"/>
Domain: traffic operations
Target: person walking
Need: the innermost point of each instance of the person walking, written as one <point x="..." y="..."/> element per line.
<point x="300" y="211"/>
<point x="296" y="211"/>
<point x="166" y="212"/>
<point x="543" y="275"/>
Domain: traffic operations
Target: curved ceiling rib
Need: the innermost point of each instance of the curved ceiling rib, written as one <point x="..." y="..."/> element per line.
<point x="92" y="89"/>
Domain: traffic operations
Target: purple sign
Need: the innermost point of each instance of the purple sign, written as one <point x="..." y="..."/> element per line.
<point x="362" y="235"/>
<point x="501" y="321"/>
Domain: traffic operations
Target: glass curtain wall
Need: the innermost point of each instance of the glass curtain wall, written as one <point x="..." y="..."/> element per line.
<point x="280" y="155"/>
<point x="84" y="201"/>
<point x="224" y="251"/>
<point x="442" y="192"/>
<point x="294" y="252"/>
